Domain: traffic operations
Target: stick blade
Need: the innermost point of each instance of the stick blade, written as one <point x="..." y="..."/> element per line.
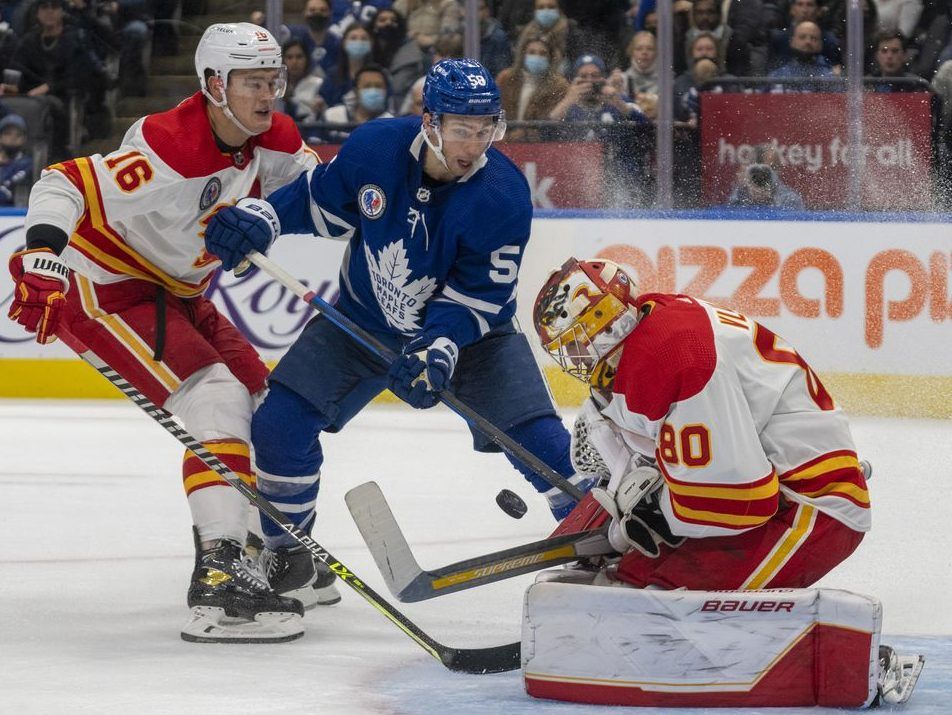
<point x="478" y="661"/>
<point x="384" y="539"/>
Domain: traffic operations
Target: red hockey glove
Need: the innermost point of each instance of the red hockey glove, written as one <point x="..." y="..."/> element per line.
<point x="41" y="279"/>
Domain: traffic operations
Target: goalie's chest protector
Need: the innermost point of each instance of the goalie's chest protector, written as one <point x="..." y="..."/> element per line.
<point x="625" y="646"/>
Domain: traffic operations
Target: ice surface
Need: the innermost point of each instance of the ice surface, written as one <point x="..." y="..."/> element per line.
<point x="97" y="553"/>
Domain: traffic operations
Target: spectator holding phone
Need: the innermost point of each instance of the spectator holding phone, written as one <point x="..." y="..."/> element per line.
<point x="591" y="98"/>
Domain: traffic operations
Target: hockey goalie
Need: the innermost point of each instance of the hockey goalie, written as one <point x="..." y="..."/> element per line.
<point x="731" y="485"/>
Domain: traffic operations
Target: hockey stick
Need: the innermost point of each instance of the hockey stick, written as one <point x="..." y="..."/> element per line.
<point x="496" y="435"/>
<point x="410" y="583"/>
<point x="464" y="660"/>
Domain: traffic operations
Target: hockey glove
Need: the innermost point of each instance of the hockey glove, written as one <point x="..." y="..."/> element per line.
<point x="235" y="231"/>
<point x="418" y="375"/>
<point x="41" y="279"/>
<point x="637" y="520"/>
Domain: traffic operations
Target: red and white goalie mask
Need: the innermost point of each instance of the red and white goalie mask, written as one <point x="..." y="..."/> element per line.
<point x="582" y="314"/>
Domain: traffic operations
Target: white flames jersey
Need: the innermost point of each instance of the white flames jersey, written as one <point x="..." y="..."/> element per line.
<point x="141" y="211"/>
<point x="737" y="418"/>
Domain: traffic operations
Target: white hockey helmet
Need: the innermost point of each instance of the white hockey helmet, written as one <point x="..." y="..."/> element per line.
<point x="236" y="46"/>
<point x="582" y="315"/>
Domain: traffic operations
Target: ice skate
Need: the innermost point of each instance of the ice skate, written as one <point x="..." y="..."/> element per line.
<point x="293" y="572"/>
<point x="898" y="675"/>
<point x="231" y="601"/>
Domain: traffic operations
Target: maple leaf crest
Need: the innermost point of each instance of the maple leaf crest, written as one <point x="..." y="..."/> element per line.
<point x="400" y="299"/>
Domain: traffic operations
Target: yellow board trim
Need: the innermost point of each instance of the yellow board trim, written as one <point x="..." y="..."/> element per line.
<point x="857" y="394"/>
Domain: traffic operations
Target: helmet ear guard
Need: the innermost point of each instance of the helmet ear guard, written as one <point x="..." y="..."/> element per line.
<point x="460" y="87"/>
<point x="582" y="316"/>
<point x="225" y="47"/>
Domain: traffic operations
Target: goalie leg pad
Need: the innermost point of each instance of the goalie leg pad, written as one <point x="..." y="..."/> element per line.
<point x="798" y="647"/>
<point x="210" y="625"/>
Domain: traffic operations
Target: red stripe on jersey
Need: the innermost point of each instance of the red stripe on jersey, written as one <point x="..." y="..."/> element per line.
<point x="730" y="506"/>
<point x="833" y="474"/>
<point x="669" y="357"/>
<point x="182" y="137"/>
<point x="103" y="245"/>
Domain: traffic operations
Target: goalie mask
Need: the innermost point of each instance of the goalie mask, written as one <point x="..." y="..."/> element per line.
<point x="583" y="314"/>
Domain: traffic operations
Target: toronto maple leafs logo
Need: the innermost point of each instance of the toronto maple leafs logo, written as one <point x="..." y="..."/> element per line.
<point x="401" y="300"/>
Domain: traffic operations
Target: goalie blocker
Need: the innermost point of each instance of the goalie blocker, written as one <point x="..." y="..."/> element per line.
<point x="797" y="647"/>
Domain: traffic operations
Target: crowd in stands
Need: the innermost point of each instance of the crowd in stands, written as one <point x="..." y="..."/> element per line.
<point x="570" y="61"/>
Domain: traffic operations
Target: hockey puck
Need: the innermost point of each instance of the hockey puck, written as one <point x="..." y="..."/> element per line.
<point x="511" y="503"/>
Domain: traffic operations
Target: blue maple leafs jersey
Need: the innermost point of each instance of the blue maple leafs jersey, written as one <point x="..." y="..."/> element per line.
<point x="423" y="260"/>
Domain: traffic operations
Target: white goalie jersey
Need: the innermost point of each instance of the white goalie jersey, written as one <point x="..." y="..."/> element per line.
<point x="737" y="418"/>
<point x="141" y="211"/>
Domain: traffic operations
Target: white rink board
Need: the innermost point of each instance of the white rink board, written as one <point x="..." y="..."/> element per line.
<point x="890" y="283"/>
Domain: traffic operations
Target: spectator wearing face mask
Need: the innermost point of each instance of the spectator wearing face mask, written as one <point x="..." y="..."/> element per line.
<point x="357" y="46"/>
<point x="367" y="100"/>
<point x="404" y="59"/>
<point x="321" y="46"/>
<point x="531" y="87"/>
<point x="548" y="19"/>
<point x="805" y="46"/>
<point x="16" y="167"/>
<point x="494" y="48"/>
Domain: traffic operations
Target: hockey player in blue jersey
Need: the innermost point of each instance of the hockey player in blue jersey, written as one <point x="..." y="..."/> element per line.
<point x="437" y="223"/>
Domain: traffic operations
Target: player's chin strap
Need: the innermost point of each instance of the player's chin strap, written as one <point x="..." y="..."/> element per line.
<point x="223" y="106"/>
<point x="436" y="149"/>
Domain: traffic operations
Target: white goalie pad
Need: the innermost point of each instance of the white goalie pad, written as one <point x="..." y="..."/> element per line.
<point x="210" y="625"/>
<point x="623" y="646"/>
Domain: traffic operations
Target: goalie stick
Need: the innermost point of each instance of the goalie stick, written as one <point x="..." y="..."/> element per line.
<point x="498" y="437"/>
<point x="410" y="583"/>
<point x="494" y="659"/>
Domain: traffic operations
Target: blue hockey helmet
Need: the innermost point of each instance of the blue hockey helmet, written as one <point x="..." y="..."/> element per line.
<point x="461" y="87"/>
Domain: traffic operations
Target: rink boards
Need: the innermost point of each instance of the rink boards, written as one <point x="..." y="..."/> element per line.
<point x="867" y="303"/>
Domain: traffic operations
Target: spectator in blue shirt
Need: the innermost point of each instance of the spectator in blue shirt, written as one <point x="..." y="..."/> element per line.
<point x="805" y="47"/>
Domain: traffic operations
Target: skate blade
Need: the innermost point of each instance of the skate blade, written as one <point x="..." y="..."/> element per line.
<point x="910" y="667"/>
<point x="210" y="625"/>
<point x="311" y="596"/>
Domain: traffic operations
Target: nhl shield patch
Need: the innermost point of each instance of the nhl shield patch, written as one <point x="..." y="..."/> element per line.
<point x="372" y="201"/>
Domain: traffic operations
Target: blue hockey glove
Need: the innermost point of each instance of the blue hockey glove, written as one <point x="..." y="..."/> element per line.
<point x="233" y="232"/>
<point x="417" y="376"/>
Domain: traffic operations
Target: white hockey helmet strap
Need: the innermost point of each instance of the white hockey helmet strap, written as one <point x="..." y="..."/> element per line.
<point x="436" y="125"/>
<point x="225" y="47"/>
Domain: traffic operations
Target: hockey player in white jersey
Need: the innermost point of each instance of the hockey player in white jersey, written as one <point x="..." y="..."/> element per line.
<point x="115" y="256"/>
<point x="727" y="464"/>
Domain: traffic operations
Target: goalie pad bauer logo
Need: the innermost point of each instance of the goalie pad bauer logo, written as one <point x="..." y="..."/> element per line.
<point x="372" y="201"/>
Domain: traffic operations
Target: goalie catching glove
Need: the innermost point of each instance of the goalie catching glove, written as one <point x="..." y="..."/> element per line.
<point x="41" y="279"/>
<point x="637" y="521"/>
